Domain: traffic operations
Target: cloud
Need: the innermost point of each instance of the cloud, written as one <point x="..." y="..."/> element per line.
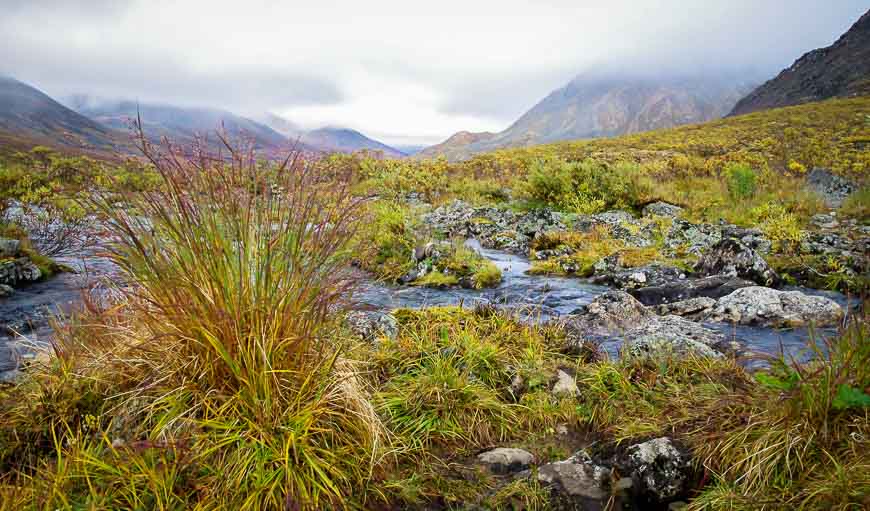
<point x="396" y="70"/>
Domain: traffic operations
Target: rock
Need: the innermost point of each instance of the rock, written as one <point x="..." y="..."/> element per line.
<point x="653" y="274"/>
<point x="731" y="257"/>
<point x="716" y="286"/>
<point x="576" y="478"/>
<point x="505" y="460"/>
<point x="833" y="189"/>
<point x="6" y="291"/>
<point x="565" y="385"/>
<point x="622" y="225"/>
<point x="823" y="221"/>
<point x="661" y="471"/>
<point x="692" y="308"/>
<point x="752" y="237"/>
<point x="672" y="336"/>
<point x="695" y="238"/>
<point x="371" y="325"/>
<point x="609" y="313"/>
<point x="19" y="271"/>
<point x="430" y="250"/>
<point x="662" y="209"/>
<point x="769" y="307"/>
<point x="9" y="248"/>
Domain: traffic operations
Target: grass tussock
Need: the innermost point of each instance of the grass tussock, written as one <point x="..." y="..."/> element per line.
<point x="214" y="381"/>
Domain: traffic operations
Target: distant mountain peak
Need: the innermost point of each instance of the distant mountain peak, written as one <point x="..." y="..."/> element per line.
<point x="839" y="70"/>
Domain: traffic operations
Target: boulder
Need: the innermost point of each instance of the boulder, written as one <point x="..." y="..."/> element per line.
<point x="663" y="336"/>
<point x="565" y="385"/>
<point x="9" y="248"/>
<point x="576" y="479"/>
<point x="695" y="238"/>
<point x="714" y="287"/>
<point x="372" y="325"/>
<point x="832" y="188"/>
<point x="693" y="308"/>
<point x="661" y="472"/>
<point x="610" y="312"/>
<point x="622" y="225"/>
<point x="773" y="308"/>
<point x="653" y="274"/>
<point x="6" y="291"/>
<point x="662" y="209"/>
<point x="505" y="460"/>
<point x="732" y="258"/>
<point x="17" y="272"/>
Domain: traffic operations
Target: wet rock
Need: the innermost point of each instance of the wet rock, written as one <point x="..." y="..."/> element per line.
<point x="17" y="272"/>
<point x="731" y="257"/>
<point x="662" y="209"/>
<point x="653" y="274"/>
<point x="609" y="313"/>
<point x="660" y="470"/>
<point x="770" y="307"/>
<point x="693" y="308"/>
<point x="9" y="248"/>
<point x="372" y="325"/>
<point x="832" y="188"/>
<point x="6" y="291"/>
<point x="565" y="385"/>
<point x="714" y="287"/>
<point x="576" y="479"/>
<point x="662" y="336"/>
<point x="505" y="460"/>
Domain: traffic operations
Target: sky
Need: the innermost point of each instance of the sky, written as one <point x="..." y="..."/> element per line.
<point x="404" y="72"/>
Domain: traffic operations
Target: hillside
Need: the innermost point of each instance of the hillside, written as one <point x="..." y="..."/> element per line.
<point x="29" y="117"/>
<point x="840" y="70"/>
<point x="603" y="105"/>
<point x="183" y="125"/>
<point x="833" y="133"/>
<point x="453" y="147"/>
<point x="346" y="140"/>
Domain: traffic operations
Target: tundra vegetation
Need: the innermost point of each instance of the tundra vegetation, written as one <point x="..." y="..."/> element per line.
<point x="225" y="377"/>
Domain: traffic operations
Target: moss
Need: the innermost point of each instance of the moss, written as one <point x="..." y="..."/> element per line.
<point x="438" y="280"/>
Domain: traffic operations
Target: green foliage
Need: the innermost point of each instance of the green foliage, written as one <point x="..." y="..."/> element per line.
<point x="585" y="187"/>
<point x="386" y="240"/>
<point x="741" y="181"/>
<point x="857" y="206"/>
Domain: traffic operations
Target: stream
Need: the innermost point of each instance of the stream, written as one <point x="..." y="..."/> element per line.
<point x="536" y="298"/>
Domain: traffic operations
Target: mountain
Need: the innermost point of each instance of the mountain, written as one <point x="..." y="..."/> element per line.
<point x="453" y="148"/>
<point x="29" y="117"/>
<point x="610" y="104"/>
<point x="840" y="70"/>
<point x="346" y="140"/>
<point x="182" y="125"/>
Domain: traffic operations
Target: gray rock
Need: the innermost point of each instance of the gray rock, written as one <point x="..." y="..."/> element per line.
<point x="716" y="286"/>
<point x="9" y="248"/>
<point x="576" y="478"/>
<point x="505" y="460"/>
<point x="6" y="291"/>
<point x="833" y="189"/>
<point x="659" y="469"/>
<point x="565" y="385"/>
<point x="662" y="209"/>
<point x="371" y="325"/>
<point x="692" y="308"/>
<point x="731" y="257"/>
<point x="663" y="336"/>
<point x="610" y="313"/>
<point x="622" y="225"/>
<point x="18" y="272"/>
<point x="653" y="274"/>
<point x="769" y="307"/>
<point x="695" y="238"/>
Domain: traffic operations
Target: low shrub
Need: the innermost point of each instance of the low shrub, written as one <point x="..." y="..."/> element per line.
<point x="741" y="181"/>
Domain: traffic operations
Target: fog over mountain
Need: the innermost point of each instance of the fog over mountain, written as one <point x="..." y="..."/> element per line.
<point x="406" y="75"/>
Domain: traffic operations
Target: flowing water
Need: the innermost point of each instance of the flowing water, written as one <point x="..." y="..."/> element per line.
<point x="536" y="298"/>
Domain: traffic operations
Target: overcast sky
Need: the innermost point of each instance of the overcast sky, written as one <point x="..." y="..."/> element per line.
<point x="401" y="71"/>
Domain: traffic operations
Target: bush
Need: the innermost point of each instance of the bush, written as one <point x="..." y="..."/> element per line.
<point x="585" y="187"/>
<point x="741" y="181"/>
<point x="216" y="378"/>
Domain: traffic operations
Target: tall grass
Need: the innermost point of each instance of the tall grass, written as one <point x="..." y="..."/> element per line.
<point x="219" y="360"/>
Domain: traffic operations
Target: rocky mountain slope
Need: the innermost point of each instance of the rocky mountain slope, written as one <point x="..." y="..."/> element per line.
<point x="453" y="147"/>
<point x="346" y="140"/>
<point x="182" y="125"/>
<point x="29" y="117"/>
<point x="605" y="105"/>
<point x="840" y="70"/>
